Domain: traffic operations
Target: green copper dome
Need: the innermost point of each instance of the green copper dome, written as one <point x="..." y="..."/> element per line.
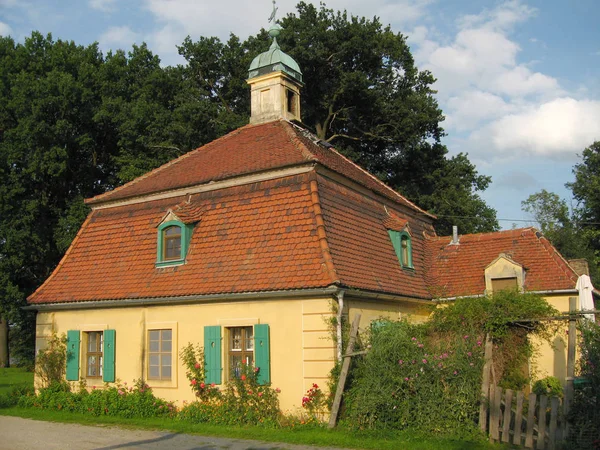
<point x="274" y="60"/>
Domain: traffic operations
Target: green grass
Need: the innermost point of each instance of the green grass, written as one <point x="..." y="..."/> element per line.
<point x="9" y="378"/>
<point x="303" y="436"/>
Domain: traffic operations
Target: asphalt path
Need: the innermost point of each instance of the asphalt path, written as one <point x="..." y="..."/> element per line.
<point x="26" y="434"/>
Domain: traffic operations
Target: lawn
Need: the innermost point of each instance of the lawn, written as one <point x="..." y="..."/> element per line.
<point x="12" y="377"/>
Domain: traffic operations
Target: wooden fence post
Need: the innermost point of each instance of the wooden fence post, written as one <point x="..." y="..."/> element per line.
<point x="541" y="437"/>
<point x="530" y="420"/>
<point x="337" y="400"/>
<point x="508" y="395"/>
<point x="572" y="342"/>
<point x="485" y="385"/>
<point x="518" y="419"/>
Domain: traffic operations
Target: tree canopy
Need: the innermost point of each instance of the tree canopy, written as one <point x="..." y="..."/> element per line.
<point x="575" y="233"/>
<point x="75" y="122"/>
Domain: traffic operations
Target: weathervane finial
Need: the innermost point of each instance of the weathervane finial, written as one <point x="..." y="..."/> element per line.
<point x="272" y="16"/>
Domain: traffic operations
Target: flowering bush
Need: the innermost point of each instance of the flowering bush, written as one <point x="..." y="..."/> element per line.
<point x="111" y="400"/>
<point x="242" y="401"/>
<point x="315" y="403"/>
<point x="193" y="359"/>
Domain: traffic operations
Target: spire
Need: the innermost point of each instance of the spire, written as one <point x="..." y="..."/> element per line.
<point x="275" y="80"/>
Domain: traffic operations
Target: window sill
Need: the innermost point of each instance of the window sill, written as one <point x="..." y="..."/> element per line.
<point x="177" y="262"/>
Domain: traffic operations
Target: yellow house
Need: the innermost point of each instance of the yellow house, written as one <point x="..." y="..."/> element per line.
<point x="250" y="246"/>
<point x="474" y="265"/>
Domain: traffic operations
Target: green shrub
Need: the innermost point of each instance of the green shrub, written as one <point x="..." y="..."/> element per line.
<point x="409" y="379"/>
<point x="112" y="400"/>
<point x="548" y="386"/>
<point x="427" y="377"/>
<point x="12" y="397"/>
<point x="584" y="414"/>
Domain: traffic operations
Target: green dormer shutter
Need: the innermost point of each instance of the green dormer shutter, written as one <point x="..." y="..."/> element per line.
<point x="73" y="355"/>
<point x="262" y="358"/>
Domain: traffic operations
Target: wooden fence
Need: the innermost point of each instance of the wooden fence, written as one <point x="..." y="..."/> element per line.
<point x="529" y="421"/>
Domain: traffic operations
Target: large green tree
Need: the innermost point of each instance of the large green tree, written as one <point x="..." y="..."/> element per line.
<point x="364" y="94"/>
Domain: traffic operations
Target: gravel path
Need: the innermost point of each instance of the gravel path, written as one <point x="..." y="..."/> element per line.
<point x="26" y="434"/>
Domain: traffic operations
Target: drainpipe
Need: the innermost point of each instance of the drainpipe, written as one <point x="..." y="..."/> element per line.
<point x="340" y="300"/>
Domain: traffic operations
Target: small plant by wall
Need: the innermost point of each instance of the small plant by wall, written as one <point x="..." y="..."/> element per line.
<point x="50" y="362"/>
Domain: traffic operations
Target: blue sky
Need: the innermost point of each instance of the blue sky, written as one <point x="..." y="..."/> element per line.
<point x="518" y="81"/>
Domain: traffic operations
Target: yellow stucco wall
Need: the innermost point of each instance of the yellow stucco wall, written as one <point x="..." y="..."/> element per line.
<point x="302" y="351"/>
<point x="302" y="348"/>
<point x="550" y="358"/>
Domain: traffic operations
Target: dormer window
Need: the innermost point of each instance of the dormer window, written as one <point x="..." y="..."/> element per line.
<point x="171" y="237"/>
<point x="173" y="241"/>
<point x="403" y="247"/>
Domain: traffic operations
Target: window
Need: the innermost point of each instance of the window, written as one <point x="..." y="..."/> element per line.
<point x="248" y="345"/>
<point x="97" y="355"/>
<point x="94" y="354"/>
<point x="291" y="102"/>
<point x="504" y="284"/>
<point x="241" y="349"/>
<point x="403" y="247"/>
<point x="173" y="243"/>
<point x="159" y="354"/>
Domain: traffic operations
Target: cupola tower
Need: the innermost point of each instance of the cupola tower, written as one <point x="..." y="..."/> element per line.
<point x="275" y="80"/>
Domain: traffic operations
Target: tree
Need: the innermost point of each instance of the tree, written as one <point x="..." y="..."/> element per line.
<point x="364" y="94"/>
<point x="572" y="233"/>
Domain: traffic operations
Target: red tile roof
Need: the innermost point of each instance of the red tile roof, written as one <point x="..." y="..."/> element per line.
<point x="458" y="270"/>
<point x="250" y="149"/>
<point x="257" y="237"/>
<point x="294" y="232"/>
<point x="362" y="252"/>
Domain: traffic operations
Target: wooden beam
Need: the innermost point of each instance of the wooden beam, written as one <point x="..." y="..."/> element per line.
<point x="485" y="385"/>
<point x="337" y="400"/>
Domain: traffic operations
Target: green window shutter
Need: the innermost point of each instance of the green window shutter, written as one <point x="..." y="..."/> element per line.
<point x="108" y="357"/>
<point x="262" y="358"/>
<point x="395" y="238"/>
<point x="212" y="354"/>
<point x="73" y="355"/>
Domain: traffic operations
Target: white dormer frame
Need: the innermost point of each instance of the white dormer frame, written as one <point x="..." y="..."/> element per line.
<point x="504" y="267"/>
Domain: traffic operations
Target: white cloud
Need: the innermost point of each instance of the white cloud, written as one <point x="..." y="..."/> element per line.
<point x="521" y="81"/>
<point x="5" y="30"/>
<point x="470" y="108"/>
<point x="118" y="37"/>
<point x="504" y="16"/>
<point x="103" y="5"/>
<point x="560" y="127"/>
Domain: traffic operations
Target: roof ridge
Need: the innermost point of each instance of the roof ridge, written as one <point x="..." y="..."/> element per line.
<point x="555" y="254"/>
<point x="289" y="128"/>
<point x="489" y="233"/>
<point x="64" y="258"/>
<point x="321" y="232"/>
<point x="102" y="197"/>
<point x="366" y="172"/>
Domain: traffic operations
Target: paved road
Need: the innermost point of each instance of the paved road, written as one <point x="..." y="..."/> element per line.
<point x="26" y="434"/>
